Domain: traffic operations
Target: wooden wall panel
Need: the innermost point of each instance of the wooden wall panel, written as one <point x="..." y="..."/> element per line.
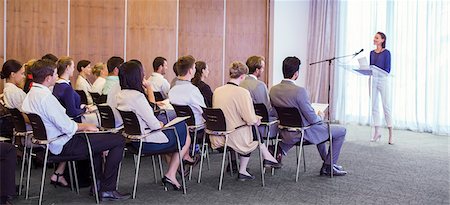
<point x="201" y="35"/>
<point x="96" y="30"/>
<point x="35" y="28"/>
<point x="246" y="32"/>
<point x="151" y="32"/>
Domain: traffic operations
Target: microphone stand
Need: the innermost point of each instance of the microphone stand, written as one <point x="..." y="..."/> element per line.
<point x="330" y="60"/>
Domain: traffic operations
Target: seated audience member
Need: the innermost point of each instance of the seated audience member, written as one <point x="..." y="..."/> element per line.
<point x="113" y="72"/>
<point x="84" y="69"/>
<point x="28" y="77"/>
<point x="61" y="131"/>
<point x="201" y="73"/>
<point x="67" y="96"/>
<point x="50" y="57"/>
<point x="288" y="94"/>
<point x="174" y="80"/>
<point x="184" y="93"/>
<point x="157" y="80"/>
<point x="14" y="73"/>
<point x="237" y="107"/>
<point x="132" y="98"/>
<point x="8" y="170"/>
<point x="100" y="72"/>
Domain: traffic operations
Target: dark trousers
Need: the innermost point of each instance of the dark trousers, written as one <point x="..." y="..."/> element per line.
<point x="8" y="158"/>
<point x="100" y="142"/>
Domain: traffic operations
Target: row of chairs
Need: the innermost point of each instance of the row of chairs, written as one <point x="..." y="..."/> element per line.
<point x="215" y="125"/>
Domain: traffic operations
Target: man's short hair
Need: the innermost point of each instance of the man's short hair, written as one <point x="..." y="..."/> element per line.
<point x="41" y="69"/>
<point x="159" y="61"/>
<point x="82" y="64"/>
<point x="253" y="63"/>
<point x="114" y="62"/>
<point x="185" y="63"/>
<point x="290" y="66"/>
<point x="62" y="64"/>
<point x="237" y="69"/>
<point x="50" y="57"/>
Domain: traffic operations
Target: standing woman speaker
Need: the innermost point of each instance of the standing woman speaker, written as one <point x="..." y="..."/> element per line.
<point x="381" y="57"/>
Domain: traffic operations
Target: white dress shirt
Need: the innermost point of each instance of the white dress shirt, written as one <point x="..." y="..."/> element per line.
<point x="184" y="93"/>
<point x="132" y="100"/>
<point x="84" y="85"/>
<point x="98" y="85"/>
<point x="159" y="84"/>
<point x="41" y="101"/>
<point x="13" y="96"/>
<point x="111" y="100"/>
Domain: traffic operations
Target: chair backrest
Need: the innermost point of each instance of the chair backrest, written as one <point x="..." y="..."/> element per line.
<point x="183" y="111"/>
<point x="215" y="120"/>
<point x="261" y="110"/>
<point x="158" y="96"/>
<point x="102" y="99"/>
<point x="83" y="97"/>
<point x="130" y="123"/>
<point x="39" y="131"/>
<point x="95" y="97"/>
<point x="18" y="120"/>
<point x="107" y="116"/>
<point x="289" y="116"/>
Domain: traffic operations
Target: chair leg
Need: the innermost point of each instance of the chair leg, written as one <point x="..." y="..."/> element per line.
<point x="331" y="150"/>
<point x="237" y="158"/>
<point x="275" y="152"/>
<point x="299" y="157"/>
<point x="201" y="159"/>
<point x="193" y="153"/>
<point x="92" y="168"/>
<point x="44" y="168"/>
<point x="230" y="163"/>
<point x="261" y="158"/>
<point x="77" y="187"/>
<point x="69" y="164"/>
<point x="154" y="169"/>
<point x="118" y="173"/>
<point x="207" y="156"/>
<point x="29" y="172"/>
<point x="137" y="169"/>
<point x="160" y="167"/>
<point x="304" y="161"/>
<point x="223" y="163"/>
<point x="22" y="170"/>
<point x="181" y="160"/>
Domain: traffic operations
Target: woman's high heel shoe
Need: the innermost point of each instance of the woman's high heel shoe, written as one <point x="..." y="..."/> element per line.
<point x="376" y="138"/>
<point x="166" y="181"/>
<point x="57" y="182"/>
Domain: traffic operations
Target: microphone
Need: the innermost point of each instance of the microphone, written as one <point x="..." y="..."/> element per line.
<point x="358" y="52"/>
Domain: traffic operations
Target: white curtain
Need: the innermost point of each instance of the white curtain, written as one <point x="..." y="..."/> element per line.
<point x="418" y="39"/>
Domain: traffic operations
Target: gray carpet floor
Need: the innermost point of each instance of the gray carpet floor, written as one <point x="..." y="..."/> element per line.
<point x="416" y="170"/>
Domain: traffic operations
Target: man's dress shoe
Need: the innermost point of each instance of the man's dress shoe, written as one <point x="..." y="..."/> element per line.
<point x="113" y="196"/>
<point x="326" y="170"/>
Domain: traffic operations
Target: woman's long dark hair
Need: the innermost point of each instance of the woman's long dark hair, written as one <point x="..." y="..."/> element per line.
<point x="383" y="36"/>
<point x="131" y="75"/>
<point x="10" y="66"/>
<point x="199" y="67"/>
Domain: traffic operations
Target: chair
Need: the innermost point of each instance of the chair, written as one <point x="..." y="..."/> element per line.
<point x="83" y="97"/>
<point x="132" y="131"/>
<point x="216" y="125"/>
<point x="20" y="130"/>
<point x="266" y="123"/>
<point x="290" y="120"/>
<point x="40" y="138"/>
<point x="107" y="120"/>
<point x="184" y="111"/>
<point x="158" y="96"/>
<point x="98" y="98"/>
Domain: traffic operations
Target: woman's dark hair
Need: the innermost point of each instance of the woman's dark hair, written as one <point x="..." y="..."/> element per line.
<point x="383" y="36"/>
<point x="199" y="67"/>
<point x="175" y="69"/>
<point x="9" y="67"/>
<point x="130" y="76"/>
<point x="82" y="64"/>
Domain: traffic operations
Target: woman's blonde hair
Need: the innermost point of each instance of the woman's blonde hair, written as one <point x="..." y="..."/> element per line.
<point x="97" y="69"/>
<point x="237" y="69"/>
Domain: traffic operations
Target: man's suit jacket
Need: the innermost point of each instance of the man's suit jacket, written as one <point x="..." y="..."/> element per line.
<point x="259" y="92"/>
<point x="288" y="94"/>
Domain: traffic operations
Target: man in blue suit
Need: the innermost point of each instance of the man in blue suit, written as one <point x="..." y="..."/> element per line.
<point x="288" y="94"/>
